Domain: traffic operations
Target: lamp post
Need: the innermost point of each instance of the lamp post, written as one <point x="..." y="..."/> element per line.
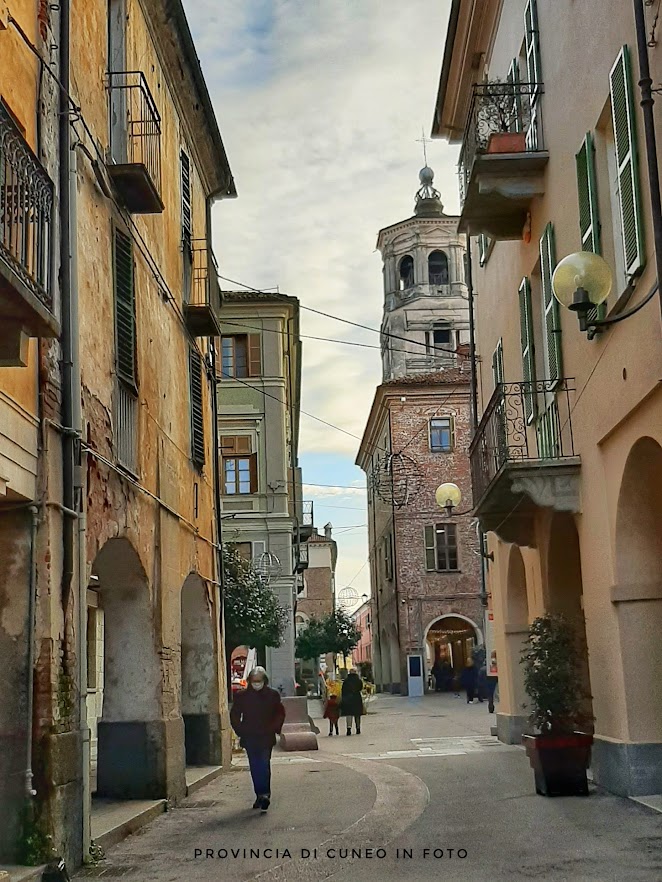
<point x="582" y="281"/>
<point x="448" y="497"/>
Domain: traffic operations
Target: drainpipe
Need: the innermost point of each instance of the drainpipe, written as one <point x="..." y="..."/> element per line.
<point x="30" y="792"/>
<point x="645" y="84"/>
<point x="472" y="338"/>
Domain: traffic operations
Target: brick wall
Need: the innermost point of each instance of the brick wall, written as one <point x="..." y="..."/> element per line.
<point x="319" y="599"/>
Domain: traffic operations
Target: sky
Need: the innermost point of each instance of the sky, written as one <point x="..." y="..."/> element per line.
<point x="322" y="105"/>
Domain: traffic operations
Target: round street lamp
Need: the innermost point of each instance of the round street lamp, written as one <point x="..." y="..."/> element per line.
<point x="582" y="281"/>
<point x="448" y="496"/>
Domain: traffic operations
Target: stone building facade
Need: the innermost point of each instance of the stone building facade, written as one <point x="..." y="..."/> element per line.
<point x="567" y="458"/>
<point x="362" y="619"/>
<point x="317" y="588"/>
<point x="425" y="567"/>
<point x="115" y="418"/>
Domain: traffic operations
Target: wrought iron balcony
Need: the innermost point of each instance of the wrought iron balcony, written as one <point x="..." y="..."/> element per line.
<point x="307" y="523"/>
<point x="135" y="142"/>
<point x="26" y="244"/>
<point x="202" y="309"/>
<point x="502" y="160"/>
<point x="300" y="557"/>
<point x="523" y="455"/>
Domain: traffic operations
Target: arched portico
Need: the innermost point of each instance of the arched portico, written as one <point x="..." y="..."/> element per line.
<point x="512" y="715"/>
<point x="451" y="637"/>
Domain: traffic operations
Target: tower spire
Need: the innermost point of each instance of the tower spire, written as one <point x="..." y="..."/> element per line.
<point x="428" y="200"/>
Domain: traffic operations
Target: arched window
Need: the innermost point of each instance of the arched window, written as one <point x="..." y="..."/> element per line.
<point x="406" y="272"/>
<point x="438" y="268"/>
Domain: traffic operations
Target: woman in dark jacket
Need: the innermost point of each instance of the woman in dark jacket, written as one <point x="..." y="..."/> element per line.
<point x="469" y="679"/>
<point x="351" y="704"/>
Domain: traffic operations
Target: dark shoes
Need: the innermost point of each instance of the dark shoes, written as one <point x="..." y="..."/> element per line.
<point x="264" y="803"/>
<point x="256" y="804"/>
<point x="349" y="731"/>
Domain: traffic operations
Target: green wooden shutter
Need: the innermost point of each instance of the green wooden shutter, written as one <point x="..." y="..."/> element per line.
<point x="625" y="136"/>
<point x="197" y="413"/>
<point x="430" y="554"/>
<point x="514" y="80"/>
<point x="497" y="363"/>
<point x="589" y="215"/>
<point x="533" y="69"/>
<point x="187" y="216"/>
<point x="552" y="327"/>
<point x="125" y="308"/>
<point x="528" y="351"/>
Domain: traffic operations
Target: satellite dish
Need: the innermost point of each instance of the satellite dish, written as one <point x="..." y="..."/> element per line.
<point x="348" y="597"/>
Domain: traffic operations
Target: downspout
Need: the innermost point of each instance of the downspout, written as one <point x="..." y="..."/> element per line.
<point x="30" y="792"/>
<point x="473" y="382"/>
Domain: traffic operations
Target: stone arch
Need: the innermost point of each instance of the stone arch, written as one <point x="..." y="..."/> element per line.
<point x="130" y="723"/>
<point x="394" y="650"/>
<point x="511" y="722"/>
<point x="446" y="638"/>
<point x="406" y="272"/>
<point x="438" y="267"/>
<point x="199" y="675"/>
<point x="638" y="591"/>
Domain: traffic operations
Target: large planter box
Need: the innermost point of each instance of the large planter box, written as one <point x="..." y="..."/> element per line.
<point x="559" y="763"/>
<point x="507" y="142"/>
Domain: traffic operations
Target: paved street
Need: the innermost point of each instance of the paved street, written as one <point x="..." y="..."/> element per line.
<point x="424" y="774"/>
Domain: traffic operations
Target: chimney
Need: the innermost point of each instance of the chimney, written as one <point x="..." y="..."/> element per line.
<point x="328" y="529"/>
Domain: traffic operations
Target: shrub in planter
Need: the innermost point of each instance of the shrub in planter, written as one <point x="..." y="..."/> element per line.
<point x="560" y="753"/>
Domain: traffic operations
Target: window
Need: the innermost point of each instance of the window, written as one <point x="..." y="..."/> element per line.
<point x="589" y="214"/>
<point x="441" y="548"/>
<point x="239" y="465"/>
<point x="187" y="226"/>
<point x="442" y="434"/>
<point x="243" y="549"/>
<point x="438" y="268"/>
<point x="497" y="364"/>
<point x="241" y="356"/>
<point x="625" y="142"/>
<point x="551" y="319"/>
<point x="125" y="410"/>
<point x="197" y="411"/>
<point x="441" y="336"/>
<point x="533" y="69"/>
<point x="406" y="272"/>
<point x="528" y="350"/>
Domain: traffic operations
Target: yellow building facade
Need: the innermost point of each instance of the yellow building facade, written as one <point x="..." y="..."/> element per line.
<point x="112" y="430"/>
<point x="543" y="100"/>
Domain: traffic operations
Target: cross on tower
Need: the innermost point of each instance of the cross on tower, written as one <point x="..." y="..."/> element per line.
<point x="424" y="141"/>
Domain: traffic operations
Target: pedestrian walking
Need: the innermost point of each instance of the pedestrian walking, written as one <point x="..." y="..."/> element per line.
<point x="332" y="713"/>
<point x="438" y="674"/>
<point x="257" y="715"/>
<point x="468" y="679"/>
<point x="351" y="703"/>
<point x="481" y="685"/>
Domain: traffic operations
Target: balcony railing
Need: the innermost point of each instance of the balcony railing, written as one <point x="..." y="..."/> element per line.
<point x="307" y="519"/>
<point x="300" y="557"/>
<point x="501" y="158"/>
<point x="26" y="221"/>
<point x="204" y="304"/>
<point x="135" y="142"/>
<point x="524" y="422"/>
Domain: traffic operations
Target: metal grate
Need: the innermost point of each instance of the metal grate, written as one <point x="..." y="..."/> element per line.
<point x="26" y="205"/>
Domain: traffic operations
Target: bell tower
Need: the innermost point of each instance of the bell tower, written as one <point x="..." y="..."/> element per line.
<point x="425" y="293"/>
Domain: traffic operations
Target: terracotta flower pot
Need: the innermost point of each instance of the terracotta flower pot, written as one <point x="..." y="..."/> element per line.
<point x="507" y="142"/>
<point x="559" y="763"/>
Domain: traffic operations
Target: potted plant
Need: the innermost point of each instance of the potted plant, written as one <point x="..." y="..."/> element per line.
<point x="501" y="116"/>
<point x="560" y="753"/>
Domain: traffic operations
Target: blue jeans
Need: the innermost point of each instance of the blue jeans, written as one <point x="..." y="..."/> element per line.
<point x="259" y="762"/>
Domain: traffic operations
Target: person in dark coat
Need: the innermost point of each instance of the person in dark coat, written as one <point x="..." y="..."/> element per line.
<point x="351" y="704"/>
<point x="438" y="674"/>
<point x="257" y="715"/>
<point x="468" y="679"/>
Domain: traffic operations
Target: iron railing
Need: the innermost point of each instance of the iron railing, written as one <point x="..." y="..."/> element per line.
<point x="499" y="108"/>
<point x="523" y="422"/>
<point x="205" y="290"/>
<point x="126" y="427"/>
<point x="26" y="212"/>
<point x="135" y="124"/>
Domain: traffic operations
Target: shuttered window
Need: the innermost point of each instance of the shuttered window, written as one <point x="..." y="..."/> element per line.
<point x="514" y="79"/>
<point x="625" y="137"/>
<point x="552" y="322"/>
<point x="497" y="364"/>
<point x="528" y="350"/>
<point x="125" y="309"/>
<point x="241" y="356"/>
<point x="441" y="548"/>
<point x="197" y="413"/>
<point x="187" y="217"/>
<point x="589" y="215"/>
<point x="533" y="68"/>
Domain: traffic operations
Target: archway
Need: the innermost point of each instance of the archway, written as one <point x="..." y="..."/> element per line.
<point x="131" y="762"/>
<point x="638" y="593"/>
<point x="396" y="675"/>
<point x="200" y="712"/>
<point x="438" y="268"/>
<point x="385" y="653"/>
<point x="511" y="721"/>
<point x="406" y="272"/>
<point x="450" y="640"/>
<point x="565" y="590"/>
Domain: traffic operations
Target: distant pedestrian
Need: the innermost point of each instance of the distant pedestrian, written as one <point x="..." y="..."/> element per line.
<point x="332" y="713"/>
<point x="438" y="674"/>
<point x="481" y="685"/>
<point x="351" y="704"/>
<point x="257" y="715"/>
<point x="468" y="679"/>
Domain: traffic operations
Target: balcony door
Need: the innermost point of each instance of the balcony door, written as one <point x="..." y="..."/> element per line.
<point x="118" y="94"/>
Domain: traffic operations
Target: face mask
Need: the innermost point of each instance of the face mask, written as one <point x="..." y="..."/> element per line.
<point x="258" y="686"/>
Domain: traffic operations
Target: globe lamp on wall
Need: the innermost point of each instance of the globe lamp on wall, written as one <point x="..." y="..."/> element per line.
<point x="448" y="496"/>
<point x="582" y="281"/>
